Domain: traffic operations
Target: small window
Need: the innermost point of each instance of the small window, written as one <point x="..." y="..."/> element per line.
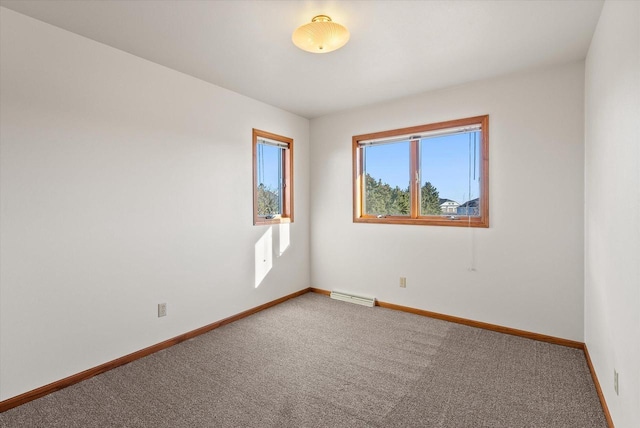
<point x="272" y="178"/>
<point x="436" y="174"/>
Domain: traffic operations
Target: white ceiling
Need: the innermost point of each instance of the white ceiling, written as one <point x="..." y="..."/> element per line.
<point x="397" y="48"/>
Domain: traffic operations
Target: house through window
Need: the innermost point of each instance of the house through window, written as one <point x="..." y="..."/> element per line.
<point x="435" y="174"/>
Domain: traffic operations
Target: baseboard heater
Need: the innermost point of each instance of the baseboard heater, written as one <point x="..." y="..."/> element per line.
<point x="345" y="297"/>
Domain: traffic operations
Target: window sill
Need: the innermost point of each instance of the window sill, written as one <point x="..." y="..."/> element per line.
<point x="426" y="221"/>
<point x="277" y="220"/>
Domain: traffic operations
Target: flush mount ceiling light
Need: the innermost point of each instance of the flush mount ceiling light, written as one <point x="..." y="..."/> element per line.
<point x="321" y="35"/>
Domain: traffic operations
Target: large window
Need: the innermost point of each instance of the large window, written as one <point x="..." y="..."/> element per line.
<point x="436" y="174"/>
<point x="272" y="178"/>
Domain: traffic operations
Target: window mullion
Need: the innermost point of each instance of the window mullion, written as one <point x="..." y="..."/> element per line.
<point x="415" y="178"/>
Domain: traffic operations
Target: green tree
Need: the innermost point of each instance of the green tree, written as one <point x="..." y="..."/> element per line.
<point x="382" y="199"/>
<point x="402" y="203"/>
<point x="268" y="201"/>
<point x="430" y="200"/>
<point x="374" y="197"/>
<point x="395" y="204"/>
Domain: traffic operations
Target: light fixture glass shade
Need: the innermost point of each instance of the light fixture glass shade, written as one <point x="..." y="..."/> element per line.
<point x="321" y="35"/>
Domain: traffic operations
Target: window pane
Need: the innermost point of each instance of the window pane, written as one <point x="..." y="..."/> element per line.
<point x="450" y="175"/>
<point x="270" y="179"/>
<point x="386" y="174"/>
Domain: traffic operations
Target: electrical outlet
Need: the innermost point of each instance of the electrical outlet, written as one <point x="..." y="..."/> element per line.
<point x="403" y="282"/>
<point x="615" y="382"/>
<point x="162" y="310"/>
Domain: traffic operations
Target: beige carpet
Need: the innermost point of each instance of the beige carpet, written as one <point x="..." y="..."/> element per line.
<point x="316" y="362"/>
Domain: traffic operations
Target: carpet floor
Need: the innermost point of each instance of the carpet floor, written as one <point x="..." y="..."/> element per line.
<point x="317" y="362"/>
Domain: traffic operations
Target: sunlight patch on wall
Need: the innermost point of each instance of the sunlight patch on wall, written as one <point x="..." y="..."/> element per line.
<point x="284" y="238"/>
<point x="263" y="256"/>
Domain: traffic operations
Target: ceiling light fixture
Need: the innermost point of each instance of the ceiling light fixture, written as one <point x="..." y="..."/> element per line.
<point x="321" y="35"/>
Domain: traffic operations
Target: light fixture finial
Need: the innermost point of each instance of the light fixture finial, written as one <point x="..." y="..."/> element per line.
<point x="321" y="18"/>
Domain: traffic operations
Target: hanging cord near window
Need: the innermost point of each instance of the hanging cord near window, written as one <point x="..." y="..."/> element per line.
<point x="472" y="168"/>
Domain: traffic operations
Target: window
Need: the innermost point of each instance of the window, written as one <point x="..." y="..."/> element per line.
<point x="436" y="174"/>
<point x="272" y="178"/>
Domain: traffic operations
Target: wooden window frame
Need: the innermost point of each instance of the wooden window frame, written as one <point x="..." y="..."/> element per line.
<point x="287" y="161"/>
<point x="414" y="217"/>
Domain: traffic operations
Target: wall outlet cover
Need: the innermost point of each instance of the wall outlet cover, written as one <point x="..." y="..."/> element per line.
<point x="162" y="310"/>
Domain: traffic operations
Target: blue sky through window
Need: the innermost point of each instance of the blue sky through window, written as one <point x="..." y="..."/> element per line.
<point x="389" y="163"/>
<point x="269" y="165"/>
<point x="451" y="163"/>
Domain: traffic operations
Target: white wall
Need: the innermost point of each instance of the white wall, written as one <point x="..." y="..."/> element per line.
<point x="612" y="235"/>
<point x="121" y="180"/>
<point x="529" y="263"/>
<point x="124" y="184"/>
